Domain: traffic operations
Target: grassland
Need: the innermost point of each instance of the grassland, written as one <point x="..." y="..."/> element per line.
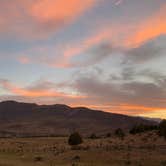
<point x="139" y="150"/>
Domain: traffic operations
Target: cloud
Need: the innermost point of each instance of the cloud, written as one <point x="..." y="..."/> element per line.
<point x="148" y="29"/>
<point x="118" y="2"/>
<point x="137" y="40"/>
<point x="24" y="60"/>
<point x="48" y="10"/>
<point x="131" y="97"/>
<point x="94" y="55"/>
<point x="94" y="47"/>
<point x="37" y="19"/>
<point x="41" y="89"/>
<point x="140" y="41"/>
<point x="147" y="51"/>
<point x="126" y="95"/>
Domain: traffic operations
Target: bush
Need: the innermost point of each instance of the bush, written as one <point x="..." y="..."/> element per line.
<point x="93" y="136"/>
<point x="162" y="128"/>
<point x="119" y="133"/>
<point x="38" y="159"/>
<point x="76" y="158"/>
<point x="75" y="139"/>
<point x="142" y="128"/>
<point x="108" y="135"/>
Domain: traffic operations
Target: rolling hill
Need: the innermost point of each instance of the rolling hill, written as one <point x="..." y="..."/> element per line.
<point x="28" y="119"/>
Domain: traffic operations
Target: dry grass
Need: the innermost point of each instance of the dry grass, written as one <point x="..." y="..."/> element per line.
<point x="140" y="150"/>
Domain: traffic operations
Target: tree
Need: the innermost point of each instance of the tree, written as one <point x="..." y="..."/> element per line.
<point x="108" y="135"/>
<point x="75" y="139"/>
<point x="162" y="128"/>
<point x="142" y="128"/>
<point x="93" y="136"/>
<point x="119" y="133"/>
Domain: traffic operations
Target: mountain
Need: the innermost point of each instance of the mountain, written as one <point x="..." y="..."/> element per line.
<point x="158" y="120"/>
<point x="29" y="119"/>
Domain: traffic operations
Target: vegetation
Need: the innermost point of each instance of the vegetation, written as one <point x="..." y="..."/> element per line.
<point x="142" y="128"/>
<point x="108" y="135"/>
<point x="75" y="139"/>
<point x="133" y="150"/>
<point x="93" y="136"/>
<point x="162" y="128"/>
<point x="119" y="133"/>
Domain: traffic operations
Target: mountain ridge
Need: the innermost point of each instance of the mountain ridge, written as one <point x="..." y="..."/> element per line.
<point x="30" y="119"/>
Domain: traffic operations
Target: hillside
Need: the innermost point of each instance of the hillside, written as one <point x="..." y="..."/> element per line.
<point x="26" y="119"/>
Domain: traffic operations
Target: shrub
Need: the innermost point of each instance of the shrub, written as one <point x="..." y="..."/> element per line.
<point x="38" y="159"/>
<point x="142" y="128"/>
<point x="93" y="136"/>
<point x="108" y="135"/>
<point x="119" y="133"/>
<point x="76" y="158"/>
<point x="162" y="128"/>
<point x="75" y="139"/>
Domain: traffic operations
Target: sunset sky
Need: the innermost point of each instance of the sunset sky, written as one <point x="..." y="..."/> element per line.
<point x="104" y="54"/>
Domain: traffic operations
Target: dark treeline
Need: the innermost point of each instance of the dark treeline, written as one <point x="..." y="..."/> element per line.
<point x="142" y="128"/>
<point x="161" y="128"/>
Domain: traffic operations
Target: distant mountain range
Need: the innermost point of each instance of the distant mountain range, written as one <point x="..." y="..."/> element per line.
<point x="27" y="119"/>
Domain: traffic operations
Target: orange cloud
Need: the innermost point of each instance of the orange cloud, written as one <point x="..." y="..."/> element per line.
<point x="146" y="30"/>
<point x="84" y="45"/>
<point x="36" y="19"/>
<point x="123" y="37"/>
<point x="49" y="10"/>
<point x="160" y="113"/>
<point x="128" y="109"/>
<point x="139" y="110"/>
<point x="87" y="43"/>
<point x="24" y="60"/>
<point x="137" y="107"/>
<point x="134" y="110"/>
<point x="149" y="29"/>
<point x="34" y="93"/>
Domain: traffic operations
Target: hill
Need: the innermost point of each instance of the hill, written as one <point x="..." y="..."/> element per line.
<point x="29" y="119"/>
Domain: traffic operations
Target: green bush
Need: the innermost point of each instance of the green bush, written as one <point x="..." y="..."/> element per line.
<point x="75" y="139"/>
<point x="162" y="128"/>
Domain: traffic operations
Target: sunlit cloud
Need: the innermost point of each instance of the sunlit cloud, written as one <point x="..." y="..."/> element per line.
<point x="34" y="92"/>
<point x="148" y="29"/>
<point x="118" y="2"/>
<point x="24" y="59"/>
<point x="157" y="113"/>
<point x="39" y="19"/>
<point x="48" y="10"/>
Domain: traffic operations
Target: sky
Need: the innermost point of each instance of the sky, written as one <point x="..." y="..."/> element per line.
<point x="103" y="54"/>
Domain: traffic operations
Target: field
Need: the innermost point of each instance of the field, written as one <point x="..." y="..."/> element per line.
<point x="139" y="150"/>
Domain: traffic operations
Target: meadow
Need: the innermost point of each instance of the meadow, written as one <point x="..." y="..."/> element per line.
<point x="145" y="149"/>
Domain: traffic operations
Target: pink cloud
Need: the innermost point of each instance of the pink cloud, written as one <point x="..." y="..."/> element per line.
<point x="49" y="10"/>
<point x="121" y="37"/>
<point x="118" y="2"/>
<point x="24" y="60"/>
<point x="34" y="92"/>
<point x="37" y="19"/>
<point x="150" y="28"/>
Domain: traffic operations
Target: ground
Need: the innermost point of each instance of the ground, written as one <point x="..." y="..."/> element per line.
<point x="140" y="150"/>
